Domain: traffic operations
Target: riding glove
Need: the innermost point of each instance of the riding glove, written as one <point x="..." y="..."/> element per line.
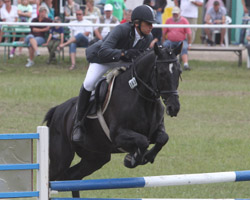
<point x="130" y="54"/>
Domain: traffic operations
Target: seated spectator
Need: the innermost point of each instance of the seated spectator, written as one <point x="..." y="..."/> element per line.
<point x="108" y="18"/>
<point x="190" y="10"/>
<point x="210" y="4"/>
<point x="35" y="7"/>
<point x="126" y="16"/>
<point x="215" y="15"/>
<point x="48" y="4"/>
<point x="177" y="35"/>
<point x="92" y="11"/>
<point x="56" y="37"/>
<point x="37" y="36"/>
<point x="2" y="5"/>
<point x="80" y="37"/>
<point x="24" y="11"/>
<point x="8" y="14"/>
<point x="70" y="9"/>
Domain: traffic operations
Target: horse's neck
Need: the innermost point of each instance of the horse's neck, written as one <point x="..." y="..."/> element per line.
<point x="144" y="67"/>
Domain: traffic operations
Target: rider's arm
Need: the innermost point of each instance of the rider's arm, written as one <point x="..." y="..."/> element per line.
<point x="109" y="50"/>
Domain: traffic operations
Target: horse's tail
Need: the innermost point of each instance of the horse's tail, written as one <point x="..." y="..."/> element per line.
<point x="49" y="115"/>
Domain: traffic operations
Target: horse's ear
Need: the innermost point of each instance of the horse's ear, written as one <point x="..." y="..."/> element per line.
<point x="177" y="50"/>
<point x="157" y="50"/>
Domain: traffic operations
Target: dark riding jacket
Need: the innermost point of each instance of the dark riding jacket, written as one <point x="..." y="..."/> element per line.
<point x="110" y="48"/>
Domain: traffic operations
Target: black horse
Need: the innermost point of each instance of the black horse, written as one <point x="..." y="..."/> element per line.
<point x="134" y="117"/>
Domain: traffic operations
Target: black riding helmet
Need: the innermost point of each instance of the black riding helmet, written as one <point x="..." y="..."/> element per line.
<point x="143" y="13"/>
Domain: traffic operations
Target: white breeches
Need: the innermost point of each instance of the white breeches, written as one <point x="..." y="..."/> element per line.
<point x="96" y="71"/>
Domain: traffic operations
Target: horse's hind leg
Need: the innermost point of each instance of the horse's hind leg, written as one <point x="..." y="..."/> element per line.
<point x="60" y="156"/>
<point x="86" y="166"/>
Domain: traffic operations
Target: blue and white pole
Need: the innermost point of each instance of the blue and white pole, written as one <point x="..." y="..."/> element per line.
<point x="151" y="181"/>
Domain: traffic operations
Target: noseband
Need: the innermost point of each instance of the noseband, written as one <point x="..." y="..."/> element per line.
<point x="154" y="92"/>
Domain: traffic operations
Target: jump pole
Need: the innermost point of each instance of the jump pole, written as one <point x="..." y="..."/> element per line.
<point x="151" y="181"/>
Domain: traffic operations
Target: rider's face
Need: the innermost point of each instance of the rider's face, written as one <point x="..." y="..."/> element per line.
<point x="146" y="27"/>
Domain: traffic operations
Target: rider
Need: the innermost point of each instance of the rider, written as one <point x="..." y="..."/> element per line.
<point x="118" y="48"/>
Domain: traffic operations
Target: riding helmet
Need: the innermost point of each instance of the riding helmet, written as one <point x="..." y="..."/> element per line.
<point x="143" y="13"/>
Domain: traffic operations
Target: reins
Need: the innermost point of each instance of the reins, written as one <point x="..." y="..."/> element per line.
<point x="154" y="92"/>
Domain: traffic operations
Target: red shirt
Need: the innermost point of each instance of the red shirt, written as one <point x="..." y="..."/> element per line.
<point x="177" y="34"/>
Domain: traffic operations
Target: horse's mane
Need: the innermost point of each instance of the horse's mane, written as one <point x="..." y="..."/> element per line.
<point x="142" y="55"/>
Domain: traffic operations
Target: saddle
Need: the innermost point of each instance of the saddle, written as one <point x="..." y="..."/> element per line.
<point x="100" y="97"/>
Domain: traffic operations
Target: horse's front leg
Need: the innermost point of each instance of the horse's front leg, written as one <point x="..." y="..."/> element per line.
<point x="161" y="138"/>
<point x="134" y="143"/>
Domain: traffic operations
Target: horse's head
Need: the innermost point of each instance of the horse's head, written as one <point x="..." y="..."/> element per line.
<point x="168" y="73"/>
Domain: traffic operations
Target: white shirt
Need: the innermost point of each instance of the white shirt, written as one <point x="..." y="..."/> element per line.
<point x="9" y="16"/>
<point x="34" y="11"/>
<point x="106" y="29"/>
<point x="137" y="37"/>
<point x="81" y="29"/>
<point x="188" y="9"/>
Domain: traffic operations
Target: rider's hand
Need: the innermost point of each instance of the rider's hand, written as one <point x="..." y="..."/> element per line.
<point x="130" y="54"/>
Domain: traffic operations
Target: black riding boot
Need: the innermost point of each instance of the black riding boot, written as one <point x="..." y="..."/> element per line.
<point x="82" y="106"/>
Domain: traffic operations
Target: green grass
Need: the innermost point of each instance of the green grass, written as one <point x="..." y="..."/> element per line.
<point x="210" y="134"/>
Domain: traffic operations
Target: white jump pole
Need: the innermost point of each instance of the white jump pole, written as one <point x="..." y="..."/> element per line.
<point x="43" y="160"/>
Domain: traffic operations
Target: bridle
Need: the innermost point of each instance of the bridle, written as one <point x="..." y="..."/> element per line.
<point x="155" y="92"/>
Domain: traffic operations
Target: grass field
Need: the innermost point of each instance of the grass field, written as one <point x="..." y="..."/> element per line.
<point x="210" y="134"/>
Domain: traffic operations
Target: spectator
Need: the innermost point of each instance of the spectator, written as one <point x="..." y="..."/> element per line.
<point x="118" y="8"/>
<point x="8" y="14"/>
<point x="2" y="5"/>
<point x="56" y="37"/>
<point x="80" y="37"/>
<point x="48" y="4"/>
<point x="190" y="10"/>
<point x="35" y="7"/>
<point x="92" y="11"/>
<point x="156" y="32"/>
<point x="157" y="37"/>
<point x="126" y="16"/>
<point x="124" y="43"/>
<point x="70" y="9"/>
<point x="177" y="35"/>
<point x="248" y="45"/>
<point x="246" y="14"/>
<point x="159" y="7"/>
<point x="210" y="4"/>
<point x="215" y="15"/>
<point x="108" y="18"/>
<point x="24" y="11"/>
<point x="37" y="36"/>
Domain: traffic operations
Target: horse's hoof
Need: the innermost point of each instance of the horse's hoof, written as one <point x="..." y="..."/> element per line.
<point x="129" y="161"/>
